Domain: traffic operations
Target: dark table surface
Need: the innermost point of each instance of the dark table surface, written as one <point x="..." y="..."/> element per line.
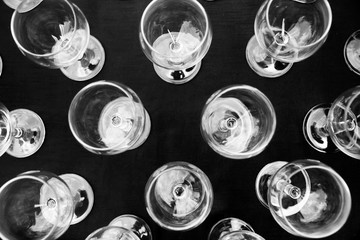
<point x="118" y="181"/>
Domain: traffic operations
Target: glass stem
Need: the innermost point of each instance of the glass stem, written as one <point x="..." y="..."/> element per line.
<point x="342" y="126"/>
<point x="289" y="189"/>
<point x="227" y="124"/>
<point x="18" y="133"/>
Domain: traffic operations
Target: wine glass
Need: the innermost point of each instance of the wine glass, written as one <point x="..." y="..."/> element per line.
<point x="238" y="121"/>
<point x="107" y="117"/>
<point x="56" y="34"/>
<point x="22" y="132"/>
<point x="178" y="196"/>
<point x="233" y="228"/>
<point x="328" y="128"/>
<point x="352" y="52"/>
<point x="42" y="205"/>
<point x="306" y="197"/>
<point x="175" y="35"/>
<point x="126" y="226"/>
<point x="286" y="32"/>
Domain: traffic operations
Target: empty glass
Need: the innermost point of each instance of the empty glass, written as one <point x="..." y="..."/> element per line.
<point x="42" y="205"/>
<point x="178" y="196"/>
<point x="22" y="132"/>
<point x="107" y="117"/>
<point x="352" y="52"/>
<point x="175" y="35"/>
<point x="238" y="121"/>
<point x="56" y="34"/>
<point x="287" y="31"/>
<point x="306" y="197"/>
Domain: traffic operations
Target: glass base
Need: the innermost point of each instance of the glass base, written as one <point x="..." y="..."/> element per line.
<point x="263" y="180"/>
<point x="226" y="226"/>
<point x="12" y="3"/>
<point x="314" y="129"/>
<point x="145" y="133"/>
<point x="89" y="65"/>
<point x="83" y="196"/>
<point x="30" y="135"/>
<point x="352" y="52"/>
<point x="134" y="224"/>
<point x="177" y="76"/>
<point x="262" y="63"/>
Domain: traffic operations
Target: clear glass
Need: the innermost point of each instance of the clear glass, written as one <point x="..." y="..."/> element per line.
<point x="42" y="205"/>
<point x="233" y="229"/>
<point x="107" y="117"/>
<point x="287" y="31"/>
<point x="306" y="197"/>
<point x="22" y="132"/>
<point x="124" y="227"/>
<point x="330" y="127"/>
<point x="238" y="121"/>
<point x="352" y="52"/>
<point x="178" y="196"/>
<point x="56" y="34"/>
<point x="175" y="35"/>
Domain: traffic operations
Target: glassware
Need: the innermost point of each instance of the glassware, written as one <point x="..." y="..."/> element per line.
<point x="352" y="52"/>
<point x="233" y="229"/>
<point x="107" y="117"/>
<point x="42" y="205"/>
<point x="175" y="35"/>
<point x="287" y="31"/>
<point x="22" y="132"/>
<point x="238" y="121"/>
<point x="126" y="227"/>
<point x="56" y="34"/>
<point x="178" y="196"/>
<point x="330" y="127"/>
<point x="306" y="197"/>
<point x="1" y="66"/>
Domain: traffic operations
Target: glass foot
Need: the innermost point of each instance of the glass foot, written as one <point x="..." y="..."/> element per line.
<point x="12" y="3"/>
<point x="226" y="226"/>
<point x="134" y="224"/>
<point x="89" y="65"/>
<point x="263" y="180"/>
<point x="83" y="196"/>
<point x="29" y="133"/>
<point x="262" y="63"/>
<point x="145" y="133"/>
<point x="314" y="129"/>
<point x="352" y="52"/>
<point x="178" y="76"/>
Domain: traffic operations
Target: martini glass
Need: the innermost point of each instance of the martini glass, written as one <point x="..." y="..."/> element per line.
<point x="352" y="52"/>
<point x="178" y="196"/>
<point x="306" y="197"/>
<point x="42" y="205"/>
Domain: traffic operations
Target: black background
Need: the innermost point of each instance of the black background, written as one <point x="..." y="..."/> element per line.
<point x="118" y="181"/>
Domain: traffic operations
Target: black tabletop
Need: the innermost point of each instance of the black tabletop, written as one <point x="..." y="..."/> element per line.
<point x="118" y="181"/>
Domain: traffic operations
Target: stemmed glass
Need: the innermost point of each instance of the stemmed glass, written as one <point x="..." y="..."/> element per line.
<point x="175" y="35"/>
<point x="337" y="124"/>
<point x="107" y="117"/>
<point x="287" y="31"/>
<point x="233" y="228"/>
<point x="56" y="34"/>
<point x="238" y="121"/>
<point x="306" y="197"/>
<point x="352" y="52"/>
<point x="42" y="205"/>
<point x="126" y="226"/>
<point x="178" y="196"/>
<point x="22" y="132"/>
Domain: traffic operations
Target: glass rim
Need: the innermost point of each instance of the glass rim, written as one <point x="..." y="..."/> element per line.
<point x="117" y="85"/>
<point x="357" y="32"/>
<point x="323" y="36"/>
<point x="7" y="139"/>
<point x="91" y="235"/>
<point x="71" y="5"/>
<point x="207" y="30"/>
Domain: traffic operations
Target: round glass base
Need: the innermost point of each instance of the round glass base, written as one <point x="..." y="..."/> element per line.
<point x="29" y="135"/>
<point x="177" y="76"/>
<point x="315" y="130"/>
<point x="89" y="65"/>
<point x="12" y="3"/>
<point x="262" y="63"/>
<point x="352" y="52"/>
<point x="263" y="180"/>
<point x="226" y="226"/>
<point x="82" y="193"/>
<point x="134" y="224"/>
<point x="145" y="133"/>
